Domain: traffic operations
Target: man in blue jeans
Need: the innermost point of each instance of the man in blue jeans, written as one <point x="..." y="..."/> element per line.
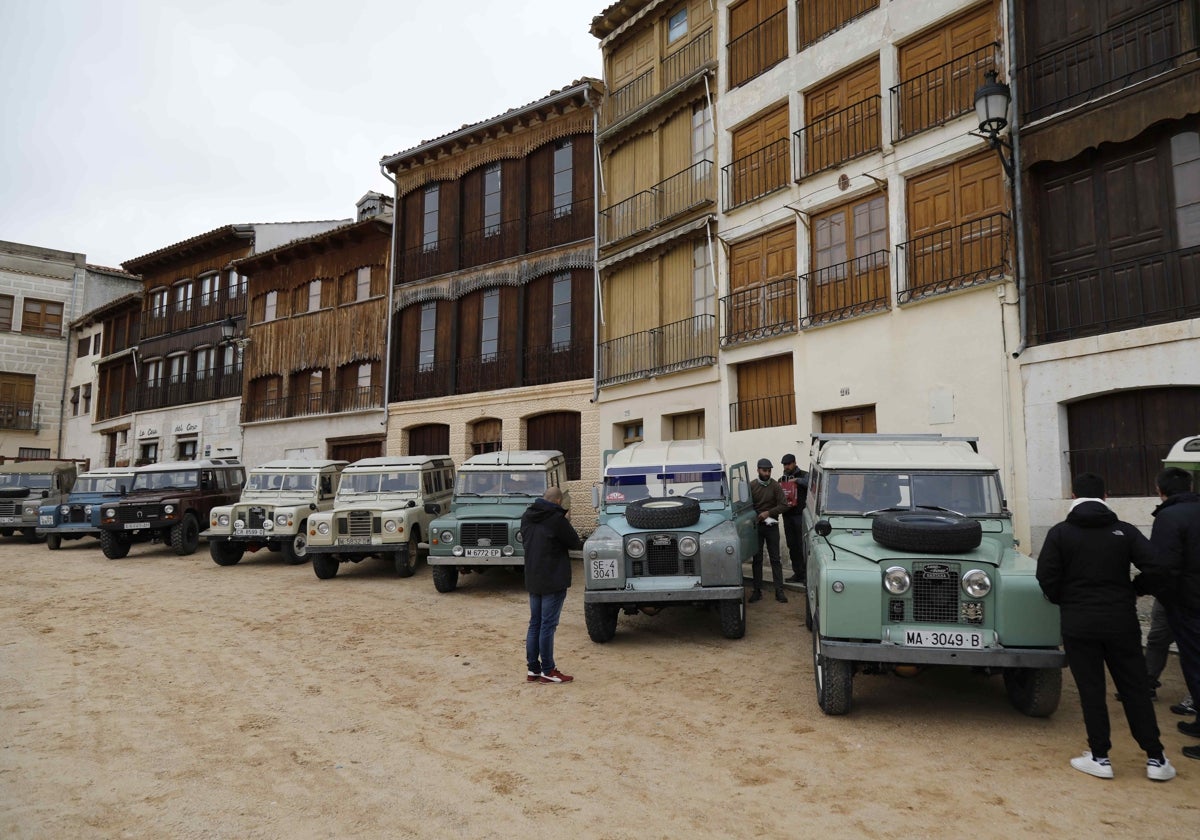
<point x="547" y="535"/>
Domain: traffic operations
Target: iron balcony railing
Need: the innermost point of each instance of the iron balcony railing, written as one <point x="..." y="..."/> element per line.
<point x="16" y="415"/>
<point x="817" y="18"/>
<point x="687" y="59"/>
<point x="486" y="372"/>
<point x="435" y="258"/>
<point x="424" y="382"/>
<point x="161" y="393"/>
<point x="1128" y="470"/>
<point x="667" y="199"/>
<point x="1117" y="58"/>
<point x="490" y="243"/>
<point x="629" y="97"/>
<point x="568" y="223"/>
<point x="329" y="402"/>
<point x="762" y="412"/>
<point x="755" y="175"/>
<point x="847" y="289"/>
<point x="560" y="362"/>
<point x="672" y="347"/>
<point x="758" y="50"/>
<point x="1154" y="289"/>
<point x="965" y="255"/>
<point x="759" y="311"/>
<point x="207" y="309"/>
<point x="941" y="94"/>
<point x="838" y="137"/>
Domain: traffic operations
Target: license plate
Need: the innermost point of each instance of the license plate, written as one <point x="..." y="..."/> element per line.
<point x="250" y="532"/>
<point x="10" y="520"/>
<point x="46" y="520"/>
<point x="483" y="552"/>
<point x="603" y="568"/>
<point x="354" y="541"/>
<point x="964" y="640"/>
<point x="133" y="526"/>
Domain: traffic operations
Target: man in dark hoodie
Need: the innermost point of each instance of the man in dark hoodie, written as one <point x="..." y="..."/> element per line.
<point x="1176" y="541"/>
<point x="547" y="535"/>
<point x="1084" y="568"/>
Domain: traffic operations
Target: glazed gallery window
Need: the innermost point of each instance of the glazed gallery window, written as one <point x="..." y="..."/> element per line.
<point x="236" y="284"/>
<point x="677" y="25"/>
<point x="491" y="200"/>
<point x="210" y="288"/>
<point x="203" y="361"/>
<point x="560" y="312"/>
<point x="362" y="285"/>
<point x="489" y="343"/>
<point x="177" y="368"/>
<point x="429" y="229"/>
<point x="158" y="303"/>
<point x="702" y="136"/>
<point x="154" y="372"/>
<point x="270" y="306"/>
<point x="6" y="312"/>
<point x="563" y="177"/>
<point x="314" y="295"/>
<point x="183" y="295"/>
<point x="702" y="294"/>
<point x="41" y="317"/>
<point x="425" y="355"/>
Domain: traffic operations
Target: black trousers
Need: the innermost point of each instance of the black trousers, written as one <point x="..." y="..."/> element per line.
<point x="792" y="526"/>
<point x="770" y="535"/>
<point x="1122" y="653"/>
<point x="1185" y="625"/>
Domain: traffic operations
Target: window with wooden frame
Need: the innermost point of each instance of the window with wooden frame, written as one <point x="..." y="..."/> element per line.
<point x="757" y="38"/>
<point x="429" y="216"/>
<point x="210" y="288"/>
<point x="491" y="199"/>
<point x="487" y="435"/>
<point x="159" y="300"/>
<point x="181" y="294"/>
<point x="96" y="342"/>
<point x="766" y="394"/>
<point x="427" y="350"/>
<point x="6" y="312"/>
<point x="632" y="433"/>
<point x="941" y="70"/>
<point x="306" y="392"/>
<point x="270" y="306"/>
<point x="760" y="158"/>
<point x="762" y="286"/>
<point x="41" y="317"/>
<point x="83" y="347"/>
<point x="235" y="283"/>
<point x="86" y="395"/>
<point x="702" y="283"/>
<point x="489" y="327"/>
<point x="958" y="228"/>
<point x="429" y="439"/>
<point x="849" y="421"/>
<point x="688" y="426"/>
<point x="564" y="177"/>
<point x="677" y="24"/>
<point x="177" y="368"/>
<point x="818" y="18"/>
<point x="16" y="400"/>
<point x="204" y="361"/>
<point x="75" y="401"/>
<point x="849" y="247"/>
<point x="362" y="283"/>
<point x="153" y="373"/>
<point x="841" y="119"/>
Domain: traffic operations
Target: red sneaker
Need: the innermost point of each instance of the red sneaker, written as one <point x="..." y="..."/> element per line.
<point x="532" y="676"/>
<point x="555" y="676"/>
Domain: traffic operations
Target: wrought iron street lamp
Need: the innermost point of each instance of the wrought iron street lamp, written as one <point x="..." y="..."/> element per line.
<point x="991" y="107"/>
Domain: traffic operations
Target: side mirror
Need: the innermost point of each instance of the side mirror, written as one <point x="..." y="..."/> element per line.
<point x="311" y="506"/>
<point x="45" y="494"/>
<point x="823" y="528"/>
<point x="122" y="490"/>
<point x="431" y="507"/>
<point x="596" y="496"/>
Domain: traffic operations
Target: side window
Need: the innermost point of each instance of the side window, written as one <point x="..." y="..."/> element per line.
<point x="326" y="486"/>
<point x="427" y="482"/>
<point x="208" y="480"/>
<point x="236" y="479"/>
<point x="739" y="485"/>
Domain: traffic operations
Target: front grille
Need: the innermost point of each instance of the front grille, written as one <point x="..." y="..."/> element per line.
<point x="935" y="593"/>
<point x="129" y="513"/>
<point x="358" y="523"/>
<point x="255" y="517"/>
<point x="76" y="514"/>
<point x="10" y="509"/>
<point x="662" y="558"/>
<point x="496" y="533"/>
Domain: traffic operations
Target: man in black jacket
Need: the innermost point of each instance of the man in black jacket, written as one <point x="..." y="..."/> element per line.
<point x="1084" y="568"/>
<point x="1176" y="541"/>
<point x="547" y="535"/>
<point x="793" y="517"/>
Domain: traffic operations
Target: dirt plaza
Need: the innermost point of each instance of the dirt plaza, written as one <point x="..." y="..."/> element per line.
<point x="164" y="696"/>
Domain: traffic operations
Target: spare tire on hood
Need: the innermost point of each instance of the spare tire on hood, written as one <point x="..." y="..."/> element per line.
<point x="928" y="531"/>
<point x="665" y="512"/>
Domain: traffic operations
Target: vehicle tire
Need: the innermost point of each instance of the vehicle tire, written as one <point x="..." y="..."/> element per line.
<point x="445" y="578"/>
<point x="30" y="535"/>
<point x="406" y="560"/>
<point x="733" y="617"/>
<point x="6" y="532"/>
<point x="834" y="677"/>
<point x="224" y="552"/>
<point x="937" y="533"/>
<point x="295" y="551"/>
<point x="325" y="566"/>
<point x="185" y="536"/>
<point x="671" y="512"/>
<point x="114" y="545"/>
<point x="601" y="621"/>
<point x="54" y="541"/>
<point x="1033" y="691"/>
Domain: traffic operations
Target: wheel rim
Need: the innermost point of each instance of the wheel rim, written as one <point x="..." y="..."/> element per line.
<point x="300" y="546"/>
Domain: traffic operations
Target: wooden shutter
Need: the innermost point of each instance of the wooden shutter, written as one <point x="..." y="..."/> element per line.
<point x="964" y="191"/>
<point x="766" y="393"/>
<point x="559" y="430"/>
<point x="430" y="439"/>
<point x="847" y="421"/>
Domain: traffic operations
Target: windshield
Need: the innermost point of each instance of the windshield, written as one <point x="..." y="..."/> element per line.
<point x="167" y="480"/>
<point x="30" y="480"/>
<point x="520" y="483"/>
<point x="281" y="482"/>
<point x="101" y="483"/>
<point x="389" y="482"/>
<point x="971" y="494"/>
<point x="705" y="485"/>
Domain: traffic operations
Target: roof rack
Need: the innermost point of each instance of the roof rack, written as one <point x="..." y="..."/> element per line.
<point x="821" y="438"/>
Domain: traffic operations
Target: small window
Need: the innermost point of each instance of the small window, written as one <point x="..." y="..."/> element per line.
<point x="158" y="303"/>
<point x="96" y="344"/>
<point x="148" y="453"/>
<point x="186" y="450"/>
<point x="677" y="25"/>
<point x="83" y="347"/>
<point x="427" y="351"/>
<point x="560" y="312"/>
<point x="314" y="295"/>
<point x="362" y="287"/>
<point x="429" y="229"/>
<point x="490" y="339"/>
<point x="270" y="306"/>
<point x="564" y="179"/>
<point x="632" y="432"/>
<point x="6" y="312"/>
<point x="182" y="292"/>
<point x="75" y="401"/>
<point x="210" y="288"/>
<point x="41" y="317"/>
<point x="29" y="453"/>
<point x="236" y="283"/>
<point x="491" y="200"/>
<point x="87" y="398"/>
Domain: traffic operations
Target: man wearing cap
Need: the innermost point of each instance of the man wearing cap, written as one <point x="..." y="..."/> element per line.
<point x="769" y="503"/>
<point x="793" y="515"/>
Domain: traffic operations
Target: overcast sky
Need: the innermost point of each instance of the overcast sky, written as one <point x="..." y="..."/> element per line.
<point x="128" y="125"/>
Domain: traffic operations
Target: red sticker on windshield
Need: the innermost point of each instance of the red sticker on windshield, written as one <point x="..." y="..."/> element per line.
<point x="615" y="496"/>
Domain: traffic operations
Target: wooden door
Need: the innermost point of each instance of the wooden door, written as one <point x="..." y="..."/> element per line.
<point x="430" y="439"/>
<point x="760" y="156"/>
<point x="937" y="82"/>
<point x="559" y="430"/>
<point x="831" y="132"/>
<point x="849" y="421"/>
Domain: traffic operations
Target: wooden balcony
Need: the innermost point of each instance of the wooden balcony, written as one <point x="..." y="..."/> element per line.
<point x="670" y="348"/>
<point x="761" y="311"/>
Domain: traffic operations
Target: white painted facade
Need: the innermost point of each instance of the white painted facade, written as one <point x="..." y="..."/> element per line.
<point x="306" y="437"/>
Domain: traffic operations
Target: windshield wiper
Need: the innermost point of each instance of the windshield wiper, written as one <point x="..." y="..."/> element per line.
<point x="883" y="510"/>
<point x="939" y="507"/>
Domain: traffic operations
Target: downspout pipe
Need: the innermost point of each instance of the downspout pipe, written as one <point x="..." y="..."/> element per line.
<point x="597" y="296"/>
<point x="66" y="378"/>
<point x="1018" y="187"/>
<point x="387" y="342"/>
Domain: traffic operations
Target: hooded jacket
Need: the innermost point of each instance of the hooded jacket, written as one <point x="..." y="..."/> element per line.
<point x="547" y="536"/>
<point x="1084" y="568"/>
<point x="1176" y="542"/>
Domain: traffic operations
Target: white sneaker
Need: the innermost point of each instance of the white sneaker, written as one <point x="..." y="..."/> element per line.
<point x="1159" y="771"/>
<point x="1098" y="767"/>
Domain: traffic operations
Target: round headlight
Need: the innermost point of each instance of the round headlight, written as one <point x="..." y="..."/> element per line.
<point x="635" y="548"/>
<point x="457" y="551"/>
<point x="268" y="525"/>
<point x="390" y="526"/>
<point x="168" y="508"/>
<point x="31" y="510"/>
<point x="896" y="580"/>
<point x="688" y="546"/>
<point x="976" y="583"/>
<point x="446" y="536"/>
<point x="509" y="551"/>
<point x="323" y="528"/>
<point x="87" y="509"/>
<point x="223" y="520"/>
<point x="64" y="510"/>
<point x="239" y="524"/>
<point x="110" y="512"/>
<point x="520" y="537"/>
<point x="281" y="519"/>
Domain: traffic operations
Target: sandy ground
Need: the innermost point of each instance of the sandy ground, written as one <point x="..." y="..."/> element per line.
<point x="160" y="696"/>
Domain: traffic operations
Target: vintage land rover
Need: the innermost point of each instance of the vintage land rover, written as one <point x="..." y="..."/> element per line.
<point x="27" y="485"/>
<point x="167" y="502"/>
<point x="273" y="511"/>
<point x="912" y="563"/>
<point x="483" y="527"/>
<point x="674" y="528"/>
<point x="383" y="508"/>
<point x="79" y="515"/>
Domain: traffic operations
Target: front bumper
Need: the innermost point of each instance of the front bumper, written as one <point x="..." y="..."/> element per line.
<point x="663" y="596"/>
<point x="994" y="657"/>
<point x="70" y="530"/>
